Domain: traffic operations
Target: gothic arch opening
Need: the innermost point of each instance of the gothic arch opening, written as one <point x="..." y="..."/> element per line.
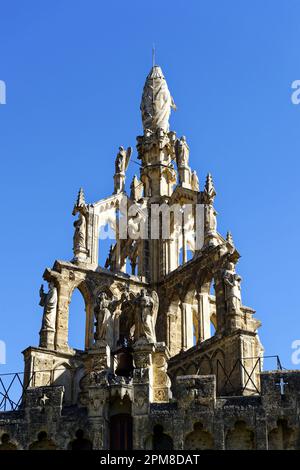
<point x="159" y="440"/>
<point x="6" y="443"/>
<point x="80" y="442"/>
<point x="205" y="367"/>
<point x="240" y="438"/>
<point x="108" y="221"/>
<point x="199" y="439"/>
<point x="282" y="437"/>
<point x="120" y="424"/>
<point x="203" y="305"/>
<point x="77" y="338"/>
<point x="43" y="443"/>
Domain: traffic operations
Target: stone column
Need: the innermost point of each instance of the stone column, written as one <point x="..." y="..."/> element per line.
<point x="62" y="321"/>
<point x="161" y="381"/>
<point x="205" y="316"/>
<point x="183" y="326"/>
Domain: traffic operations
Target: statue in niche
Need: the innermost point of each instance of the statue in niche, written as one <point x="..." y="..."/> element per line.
<point x="146" y="308"/>
<point x="232" y="283"/>
<point x="79" y="239"/>
<point x="182" y="152"/>
<point x="121" y="165"/>
<point x="126" y="321"/>
<point x="156" y="102"/>
<point x="104" y="320"/>
<point x="49" y="302"/>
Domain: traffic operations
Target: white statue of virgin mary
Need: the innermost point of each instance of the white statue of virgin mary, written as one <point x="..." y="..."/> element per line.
<point x="156" y="101"/>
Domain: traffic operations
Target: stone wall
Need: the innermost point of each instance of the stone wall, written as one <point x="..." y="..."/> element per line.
<point x="195" y="419"/>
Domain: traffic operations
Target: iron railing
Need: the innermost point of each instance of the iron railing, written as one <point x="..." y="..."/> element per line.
<point x="224" y="378"/>
<point x="13" y="386"/>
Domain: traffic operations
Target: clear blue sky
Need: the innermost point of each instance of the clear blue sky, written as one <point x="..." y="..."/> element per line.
<point x="74" y="72"/>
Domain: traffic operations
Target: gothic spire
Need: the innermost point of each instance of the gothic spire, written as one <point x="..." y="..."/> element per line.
<point x="80" y="201"/>
<point x="229" y="238"/>
<point x="209" y="192"/>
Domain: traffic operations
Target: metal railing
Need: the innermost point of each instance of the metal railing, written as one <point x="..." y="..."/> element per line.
<point x="13" y="387"/>
<point x="224" y="378"/>
<point x="12" y="390"/>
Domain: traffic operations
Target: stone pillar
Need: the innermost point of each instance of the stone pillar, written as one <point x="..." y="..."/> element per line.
<point x="143" y="374"/>
<point x="119" y="182"/>
<point x="47" y="339"/>
<point x="62" y="321"/>
<point x="220" y="301"/>
<point x="183" y="326"/>
<point x="189" y="330"/>
<point x="204" y="316"/>
<point x="161" y="381"/>
<point x="150" y="379"/>
<point x="185" y="176"/>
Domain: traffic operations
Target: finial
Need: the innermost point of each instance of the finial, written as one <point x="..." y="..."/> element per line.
<point x="209" y="192"/>
<point x="136" y="188"/>
<point x="80" y="201"/>
<point x="80" y="198"/>
<point x="229" y="238"/>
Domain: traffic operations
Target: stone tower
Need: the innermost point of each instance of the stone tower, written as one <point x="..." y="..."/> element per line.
<point x="172" y="357"/>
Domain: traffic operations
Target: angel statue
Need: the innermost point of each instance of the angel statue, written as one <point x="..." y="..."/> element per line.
<point x="121" y="165"/>
<point x="146" y="308"/>
<point x="104" y="320"/>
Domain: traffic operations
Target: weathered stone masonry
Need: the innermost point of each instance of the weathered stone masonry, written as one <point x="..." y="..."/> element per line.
<point x="172" y="357"/>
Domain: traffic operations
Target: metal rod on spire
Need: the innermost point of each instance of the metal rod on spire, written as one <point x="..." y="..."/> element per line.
<point x="153" y="55"/>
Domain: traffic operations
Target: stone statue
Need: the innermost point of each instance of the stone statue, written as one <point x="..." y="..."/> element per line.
<point x="49" y="302"/>
<point x="182" y="151"/>
<point x="136" y="189"/>
<point x="232" y="283"/>
<point x="195" y="181"/>
<point x="104" y="320"/>
<point x="121" y="165"/>
<point x="146" y="308"/>
<point x="79" y="239"/>
<point x="156" y="102"/>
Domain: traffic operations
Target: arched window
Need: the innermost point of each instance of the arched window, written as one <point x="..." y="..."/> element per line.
<point x="43" y="443"/>
<point x="6" y="444"/>
<point x="80" y="442"/>
<point x="240" y="438"/>
<point x="282" y="437"/>
<point x="160" y="440"/>
<point x="77" y="321"/>
<point x="120" y="424"/>
<point x="199" y="439"/>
